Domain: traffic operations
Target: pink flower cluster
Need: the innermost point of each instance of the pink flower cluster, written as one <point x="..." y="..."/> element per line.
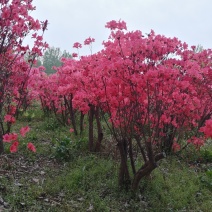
<point x="9" y="118"/>
<point x="207" y="129"/>
<point x="120" y="25"/>
<point x="13" y="139"/>
<point x="197" y="142"/>
<point x="77" y="45"/>
<point x="88" y="41"/>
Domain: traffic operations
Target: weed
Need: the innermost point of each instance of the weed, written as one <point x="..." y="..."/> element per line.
<point x="63" y="148"/>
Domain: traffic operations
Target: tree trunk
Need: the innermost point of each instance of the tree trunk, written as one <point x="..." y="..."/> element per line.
<point x="81" y="122"/>
<point x="124" y="176"/>
<point x="99" y="129"/>
<point x="1" y="131"/>
<point x="145" y="170"/>
<point x="90" y="133"/>
<point x="1" y="142"/>
<point x="71" y="112"/>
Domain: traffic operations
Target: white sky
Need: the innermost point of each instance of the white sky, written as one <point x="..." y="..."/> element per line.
<point x="75" y="20"/>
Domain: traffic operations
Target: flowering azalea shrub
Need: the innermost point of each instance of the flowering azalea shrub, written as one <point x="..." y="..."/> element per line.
<point x="154" y="93"/>
<point x="15" y="67"/>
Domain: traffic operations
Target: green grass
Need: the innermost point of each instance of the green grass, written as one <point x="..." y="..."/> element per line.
<point x="177" y="187"/>
<point x="64" y="176"/>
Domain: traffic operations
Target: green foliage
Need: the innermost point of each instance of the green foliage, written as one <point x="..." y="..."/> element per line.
<point x="63" y="148"/>
<point x="175" y="187"/>
<point x="29" y="115"/>
<point x="32" y="114"/>
<point x="50" y="123"/>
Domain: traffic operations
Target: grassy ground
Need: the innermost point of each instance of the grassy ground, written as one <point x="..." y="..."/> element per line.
<point x="63" y="176"/>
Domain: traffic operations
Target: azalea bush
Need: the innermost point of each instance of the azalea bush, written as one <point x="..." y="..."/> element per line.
<point x="16" y="58"/>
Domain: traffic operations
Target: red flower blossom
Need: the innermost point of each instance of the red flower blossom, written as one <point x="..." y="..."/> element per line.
<point x="9" y="118"/>
<point x="14" y="147"/>
<point x="77" y="45"/>
<point x="116" y="25"/>
<point x="74" y="55"/>
<point x="176" y="147"/>
<point x="31" y="147"/>
<point x="24" y="130"/>
<point x="88" y="41"/>
<point x="207" y="129"/>
<point x="71" y="130"/>
<point x="10" y="137"/>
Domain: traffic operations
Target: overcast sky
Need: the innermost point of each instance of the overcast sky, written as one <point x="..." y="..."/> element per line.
<point x="75" y="20"/>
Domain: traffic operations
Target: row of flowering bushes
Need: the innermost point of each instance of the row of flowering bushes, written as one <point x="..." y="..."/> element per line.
<point x="154" y="92"/>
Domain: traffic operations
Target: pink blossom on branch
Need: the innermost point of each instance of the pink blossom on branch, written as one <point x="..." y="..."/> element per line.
<point x="88" y="41"/>
<point x="77" y="45"/>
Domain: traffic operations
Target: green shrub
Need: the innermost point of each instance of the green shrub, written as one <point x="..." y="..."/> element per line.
<point x="67" y="148"/>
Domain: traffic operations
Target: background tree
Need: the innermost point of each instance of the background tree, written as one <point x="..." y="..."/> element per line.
<point x="52" y="57"/>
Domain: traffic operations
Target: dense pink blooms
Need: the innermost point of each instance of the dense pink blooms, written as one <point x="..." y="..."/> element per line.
<point x="207" y="129"/>
<point x="116" y="25"/>
<point x="149" y="85"/>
